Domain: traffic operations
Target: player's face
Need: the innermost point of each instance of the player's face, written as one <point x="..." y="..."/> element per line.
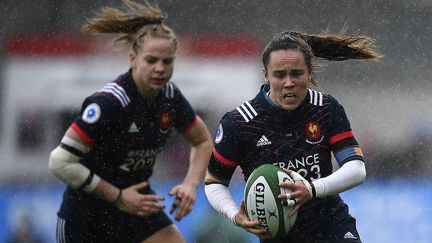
<point x="288" y="76"/>
<point x="153" y="66"/>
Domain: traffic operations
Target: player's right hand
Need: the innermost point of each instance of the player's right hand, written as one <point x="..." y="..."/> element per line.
<point x="253" y="227"/>
<point x="142" y="205"/>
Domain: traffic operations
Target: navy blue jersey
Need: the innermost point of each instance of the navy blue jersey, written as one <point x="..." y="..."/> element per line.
<point x="126" y="133"/>
<point x="303" y="140"/>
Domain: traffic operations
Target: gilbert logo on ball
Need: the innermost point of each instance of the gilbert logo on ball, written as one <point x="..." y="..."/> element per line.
<point x="262" y="202"/>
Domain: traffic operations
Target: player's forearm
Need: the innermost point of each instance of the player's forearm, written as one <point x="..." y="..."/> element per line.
<point x="221" y="200"/>
<point x="65" y="165"/>
<point x="351" y="174"/>
<point x="199" y="157"/>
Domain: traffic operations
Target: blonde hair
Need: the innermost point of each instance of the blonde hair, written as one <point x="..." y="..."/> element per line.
<point x="142" y="20"/>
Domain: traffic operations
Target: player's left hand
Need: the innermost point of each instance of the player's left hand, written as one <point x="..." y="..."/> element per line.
<point x="184" y="201"/>
<point x="301" y="191"/>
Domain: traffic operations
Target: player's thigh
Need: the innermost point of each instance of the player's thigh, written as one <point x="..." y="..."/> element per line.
<point x="168" y="234"/>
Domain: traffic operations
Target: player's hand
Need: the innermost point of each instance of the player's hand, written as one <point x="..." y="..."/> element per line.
<point x="301" y="191"/>
<point x="184" y="201"/>
<point x="142" y="205"/>
<point x="254" y="227"/>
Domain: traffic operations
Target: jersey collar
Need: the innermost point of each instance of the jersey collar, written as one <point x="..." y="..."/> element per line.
<point x="133" y="89"/>
<point x="265" y="99"/>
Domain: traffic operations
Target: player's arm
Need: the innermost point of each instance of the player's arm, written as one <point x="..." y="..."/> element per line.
<point x="222" y="201"/>
<point x="201" y="144"/>
<point x="348" y="155"/>
<point x="349" y="175"/>
<point x="222" y="164"/>
<point x="221" y="167"/>
<point x="64" y="164"/>
<point x="199" y="138"/>
<point x="352" y="171"/>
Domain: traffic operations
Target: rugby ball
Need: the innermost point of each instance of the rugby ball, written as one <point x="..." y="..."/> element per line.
<point x="262" y="202"/>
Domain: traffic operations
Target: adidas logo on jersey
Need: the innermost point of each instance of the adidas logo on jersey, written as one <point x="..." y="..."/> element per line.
<point x="263" y="141"/>
<point x="349" y="235"/>
<point x="133" y="128"/>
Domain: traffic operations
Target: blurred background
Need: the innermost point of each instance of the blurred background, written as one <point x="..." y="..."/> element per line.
<point x="47" y="68"/>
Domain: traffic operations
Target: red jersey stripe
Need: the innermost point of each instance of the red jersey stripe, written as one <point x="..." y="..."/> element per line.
<point x="194" y="121"/>
<point x="224" y="160"/>
<point x="340" y="136"/>
<point x="83" y="135"/>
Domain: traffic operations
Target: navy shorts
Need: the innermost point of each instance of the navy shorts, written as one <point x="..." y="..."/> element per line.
<point x="344" y="231"/>
<point x="127" y="228"/>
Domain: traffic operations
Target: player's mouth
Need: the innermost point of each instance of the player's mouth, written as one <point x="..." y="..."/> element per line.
<point x="289" y="97"/>
<point x="158" y="80"/>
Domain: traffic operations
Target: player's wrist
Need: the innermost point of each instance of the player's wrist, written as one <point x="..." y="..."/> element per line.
<point x="118" y="199"/>
<point x="194" y="183"/>
<point x="233" y="215"/>
<point x="312" y="189"/>
<point x="318" y="187"/>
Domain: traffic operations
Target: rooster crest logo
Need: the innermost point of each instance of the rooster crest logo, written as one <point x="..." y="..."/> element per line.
<point x="165" y="122"/>
<point x="313" y="133"/>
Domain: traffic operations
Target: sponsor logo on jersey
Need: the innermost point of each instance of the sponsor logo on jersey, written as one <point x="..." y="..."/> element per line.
<point x="313" y="133"/>
<point x="219" y="134"/>
<point x="164" y="122"/>
<point x="349" y="235"/>
<point x="301" y="165"/>
<point x="133" y="128"/>
<point x="139" y="160"/>
<point x="91" y="113"/>
<point x="263" y="141"/>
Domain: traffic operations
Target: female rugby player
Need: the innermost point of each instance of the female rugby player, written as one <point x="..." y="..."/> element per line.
<point x="107" y="155"/>
<point x="293" y="126"/>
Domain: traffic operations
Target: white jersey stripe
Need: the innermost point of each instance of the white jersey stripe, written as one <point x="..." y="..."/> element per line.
<point x="315" y="101"/>
<point x="118" y="93"/>
<point x="241" y="113"/>
<point x="171" y="90"/>
<point x="320" y="98"/>
<point x="315" y="97"/>
<point x="120" y="89"/>
<point x="247" y="112"/>
<point x="251" y="108"/>
<point x="60" y="232"/>
<point x="115" y="95"/>
<point x="123" y="92"/>
<point x="310" y="95"/>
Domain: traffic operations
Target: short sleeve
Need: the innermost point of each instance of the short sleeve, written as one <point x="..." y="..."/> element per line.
<point x="99" y="116"/>
<point x="341" y="138"/>
<point x="184" y="113"/>
<point x="225" y="157"/>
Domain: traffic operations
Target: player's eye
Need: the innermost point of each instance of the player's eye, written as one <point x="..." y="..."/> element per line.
<point x="297" y="73"/>
<point x="168" y="61"/>
<point x="151" y="60"/>
<point x="279" y="74"/>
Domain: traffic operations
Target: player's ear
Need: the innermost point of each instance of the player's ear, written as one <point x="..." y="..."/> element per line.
<point x="132" y="58"/>
<point x="265" y="74"/>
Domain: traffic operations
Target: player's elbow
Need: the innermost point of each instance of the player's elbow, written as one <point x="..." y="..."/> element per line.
<point x="53" y="163"/>
<point x="361" y="171"/>
<point x="67" y="168"/>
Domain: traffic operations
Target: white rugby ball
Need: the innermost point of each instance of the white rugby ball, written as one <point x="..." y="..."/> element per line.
<point x="262" y="202"/>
